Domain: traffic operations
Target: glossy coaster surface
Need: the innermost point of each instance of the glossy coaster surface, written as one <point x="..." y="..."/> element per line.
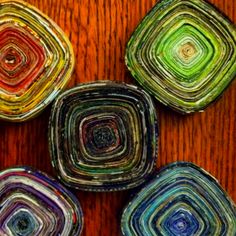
<point x="181" y="200"/>
<point x="36" y="60"/>
<point x="103" y="136"/>
<point x="183" y="53"/>
<point x="32" y="204"/>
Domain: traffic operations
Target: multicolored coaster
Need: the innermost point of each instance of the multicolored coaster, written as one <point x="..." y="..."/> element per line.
<point x="36" y="60"/>
<point x="183" y="53"/>
<point x="32" y="204"/>
<point x="103" y="136"/>
<point x="181" y="200"/>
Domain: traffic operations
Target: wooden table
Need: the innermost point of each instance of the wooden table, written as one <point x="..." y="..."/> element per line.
<point x="99" y="30"/>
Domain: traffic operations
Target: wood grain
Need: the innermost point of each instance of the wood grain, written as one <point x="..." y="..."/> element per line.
<point x="99" y="31"/>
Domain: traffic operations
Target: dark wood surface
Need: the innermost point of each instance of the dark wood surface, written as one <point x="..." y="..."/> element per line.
<point x="99" y="31"/>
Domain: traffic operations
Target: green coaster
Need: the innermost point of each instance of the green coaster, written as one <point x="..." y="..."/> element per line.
<point x="183" y="53"/>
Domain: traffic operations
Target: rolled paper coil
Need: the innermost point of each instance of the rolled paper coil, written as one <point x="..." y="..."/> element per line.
<point x="182" y="199"/>
<point x="183" y="53"/>
<point x="31" y="204"/>
<point x="103" y="136"/>
<point x="36" y="61"/>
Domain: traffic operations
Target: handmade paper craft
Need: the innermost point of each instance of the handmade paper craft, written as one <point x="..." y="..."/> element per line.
<point x="103" y="136"/>
<point x="181" y="200"/>
<point x="183" y="53"/>
<point x="32" y="204"/>
<point x="36" y="60"/>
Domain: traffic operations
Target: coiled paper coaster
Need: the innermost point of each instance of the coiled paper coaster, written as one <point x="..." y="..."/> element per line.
<point x="36" y="60"/>
<point x="183" y="53"/>
<point x="103" y="136"/>
<point x="32" y="204"/>
<point x="182" y="199"/>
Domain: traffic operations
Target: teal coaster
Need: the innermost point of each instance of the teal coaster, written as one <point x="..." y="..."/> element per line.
<point x="181" y="200"/>
<point x="183" y="53"/>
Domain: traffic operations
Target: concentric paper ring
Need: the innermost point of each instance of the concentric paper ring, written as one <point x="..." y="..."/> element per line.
<point x="184" y="53"/>
<point x="32" y="204"/>
<point x="182" y="200"/>
<point x="103" y="136"/>
<point x="36" y="60"/>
